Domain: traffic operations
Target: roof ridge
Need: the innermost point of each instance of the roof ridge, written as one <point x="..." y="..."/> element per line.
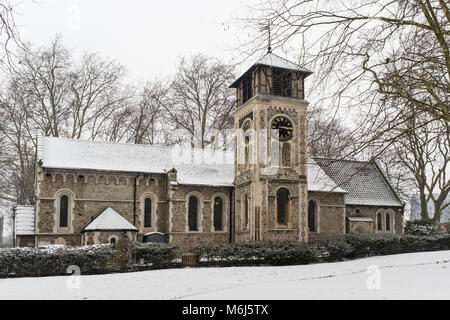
<point x="343" y="160"/>
<point x="131" y="144"/>
<point x="271" y="53"/>
<point x="387" y="182"/>
<point x="298" y="65"/>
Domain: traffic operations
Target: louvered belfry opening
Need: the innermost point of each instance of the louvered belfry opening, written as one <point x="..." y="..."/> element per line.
<point x="271" y="75"/>
<point x="272" y="81"/>
<point x="247" y="92"/>
<point x="281" y="82"/>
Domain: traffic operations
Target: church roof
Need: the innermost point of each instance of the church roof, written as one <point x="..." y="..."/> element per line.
<point x="207" y="168"/>
<point x="364" y="182"/>
<point x="110" y="220"/>
<point x="318" y="179"/>
<point x="272" y="60"/>
<point x="212" y="168"/>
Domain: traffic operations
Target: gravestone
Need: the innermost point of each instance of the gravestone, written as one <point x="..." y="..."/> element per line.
<point x="154" y="237"/>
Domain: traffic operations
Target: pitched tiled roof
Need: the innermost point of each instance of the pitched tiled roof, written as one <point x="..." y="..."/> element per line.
<point x="110" y="220"/>
<point x="363" y="181"/>
<point x="319" y="181"/>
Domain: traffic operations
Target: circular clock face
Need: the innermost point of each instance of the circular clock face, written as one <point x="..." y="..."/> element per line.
<point x="247" y="124"/>
<point x="284" y="127"/>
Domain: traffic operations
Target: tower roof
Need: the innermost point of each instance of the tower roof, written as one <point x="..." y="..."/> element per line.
<point x="272" y="60"/>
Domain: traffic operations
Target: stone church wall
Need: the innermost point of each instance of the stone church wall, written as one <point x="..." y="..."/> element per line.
<point x="371" y="212"/>
<point x="91" y="193"/>
<point x="178" y="223"/>
<point x="96" y="237"/>
<point x="330" y="214"/>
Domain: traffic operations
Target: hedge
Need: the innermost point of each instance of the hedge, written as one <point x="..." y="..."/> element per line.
<point x="421" y="227"/>
<point x="336" y="250"/>
<point x="153" y="255"/>
<point x="291" y="253"/>
<point x="106" y="258"/>
<point x="254" y="253"/>
<point x="32" y="262"/>
<point x="378" y="244"/>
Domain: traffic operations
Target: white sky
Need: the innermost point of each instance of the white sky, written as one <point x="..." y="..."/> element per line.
<point x="145" y="36"/>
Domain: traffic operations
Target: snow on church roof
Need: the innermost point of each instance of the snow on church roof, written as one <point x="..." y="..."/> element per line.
<point x="109" y="220"/>
<point x="211" y="168"/>
<point x="318" y="179"/>
<point x="208" y="168"/>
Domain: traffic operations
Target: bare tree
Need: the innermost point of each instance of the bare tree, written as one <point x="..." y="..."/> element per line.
<point x="327" y="137"/>
<point x="95" y="91"/>
<point x="50" y="94"/>
<point x="200" y="101"/>
<point x="140" y="120"/>
<point x="8" y="33"/>
<point x="18" y="159"/>
<point x="425" y="152"/>
<point x="367" y="52"/>
<point x="43" y="74"/>
<point x="400" y="178"/>
<point x="67" y="98"/>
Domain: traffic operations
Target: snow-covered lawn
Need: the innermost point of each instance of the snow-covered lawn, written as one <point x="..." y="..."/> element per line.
<point x="406" y="276"/>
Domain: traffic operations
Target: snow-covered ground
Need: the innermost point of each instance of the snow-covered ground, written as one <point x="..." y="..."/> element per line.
<point x="406" y="276"/>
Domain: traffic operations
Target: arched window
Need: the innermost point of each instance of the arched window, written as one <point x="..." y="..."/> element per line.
<point x="113" y="241"/>
<point x="218" y="214"/>
<point x="147" y="213"/>
<point x="193" y="213"/>
<point x="312" y="216"/>
<point x="388" y="222"/>
<point x="379" y="222"/>
<point x="286" y="155"/>
<point x="245" y="211"/>
<point x="63" y="211"/>
<point x="282" y="205"/>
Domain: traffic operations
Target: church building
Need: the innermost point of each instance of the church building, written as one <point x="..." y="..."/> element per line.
<point x="266" y="189"/>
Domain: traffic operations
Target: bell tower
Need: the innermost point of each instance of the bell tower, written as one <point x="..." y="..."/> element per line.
<point x="270" y="152"/>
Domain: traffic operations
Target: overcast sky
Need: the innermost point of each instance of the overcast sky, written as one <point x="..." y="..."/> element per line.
<point x="146" y="36"/>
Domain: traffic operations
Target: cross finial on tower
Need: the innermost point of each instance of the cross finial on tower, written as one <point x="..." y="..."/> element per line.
<point x="266" y="27"/>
